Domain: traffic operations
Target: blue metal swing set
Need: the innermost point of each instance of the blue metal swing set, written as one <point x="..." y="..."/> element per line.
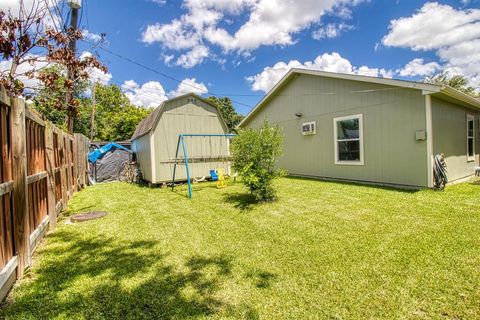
<point x="181" y="140"/>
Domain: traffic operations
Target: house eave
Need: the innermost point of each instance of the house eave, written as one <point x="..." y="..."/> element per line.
<point x="426" y="88"/>
<point x="461" y="97"/>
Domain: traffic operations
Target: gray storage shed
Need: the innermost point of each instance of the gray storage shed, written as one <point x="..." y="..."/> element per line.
<point x="155" y="139"/>
<point x="383" y="131"/>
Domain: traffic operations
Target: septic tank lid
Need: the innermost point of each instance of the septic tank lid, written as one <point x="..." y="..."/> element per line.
<point x="81" y="217"/>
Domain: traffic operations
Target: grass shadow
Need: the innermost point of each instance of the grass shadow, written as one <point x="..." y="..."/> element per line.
<point x="261" y="279"/>
<point x="242" y="201"/>
<point x="475" y="182"/>
<point x="393" y="188"/>
<point x="103" y="278"/>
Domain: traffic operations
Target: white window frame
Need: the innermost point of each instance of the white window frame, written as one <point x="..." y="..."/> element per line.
<point x="471" y="118"/>
<point x="360" y="138"/>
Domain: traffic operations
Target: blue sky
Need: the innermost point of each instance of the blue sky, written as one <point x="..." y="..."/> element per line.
<point x="240" y="48"/>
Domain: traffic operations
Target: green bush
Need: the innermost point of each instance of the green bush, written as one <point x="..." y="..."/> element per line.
<point x="255" y="153"/>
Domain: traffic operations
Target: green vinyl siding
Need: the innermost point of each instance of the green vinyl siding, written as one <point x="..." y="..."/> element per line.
<point x="391" y="117"/>
<point x="450" y="137"/>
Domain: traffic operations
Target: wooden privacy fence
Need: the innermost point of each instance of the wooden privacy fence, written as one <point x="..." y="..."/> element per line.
<point x="41" y="168"/>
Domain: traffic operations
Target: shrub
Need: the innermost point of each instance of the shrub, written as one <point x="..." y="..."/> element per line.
<point x="255" y="153"/>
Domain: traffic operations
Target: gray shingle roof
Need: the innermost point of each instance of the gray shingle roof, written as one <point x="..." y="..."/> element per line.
<point x="146" y="124"/>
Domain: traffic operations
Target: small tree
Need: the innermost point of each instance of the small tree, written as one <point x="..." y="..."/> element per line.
<point x="255" y="153"/>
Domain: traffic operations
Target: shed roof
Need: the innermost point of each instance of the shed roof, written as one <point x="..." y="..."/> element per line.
<point x="147" y="124"/>
<point x="427" y="88"/>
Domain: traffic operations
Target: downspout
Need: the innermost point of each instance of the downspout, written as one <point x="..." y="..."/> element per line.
<point x="429" y="129"/>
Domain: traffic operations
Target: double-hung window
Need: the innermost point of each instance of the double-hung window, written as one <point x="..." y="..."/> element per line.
<point x="348" y="132"/>
<point x="470" y="138"/>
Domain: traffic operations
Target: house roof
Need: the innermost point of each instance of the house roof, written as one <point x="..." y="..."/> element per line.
<point x="147" y="124"/>
<point x="427" y="88"/>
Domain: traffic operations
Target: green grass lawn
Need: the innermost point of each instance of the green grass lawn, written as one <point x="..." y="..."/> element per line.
<point x="323" y="250"/>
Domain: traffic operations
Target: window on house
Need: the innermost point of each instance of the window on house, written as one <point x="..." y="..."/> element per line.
<point x="348" y="133"/>
<point x="470" y="138"/>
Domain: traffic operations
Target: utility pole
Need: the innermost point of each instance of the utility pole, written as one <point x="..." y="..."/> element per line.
<point x="92" y="116"/>
<point x="72" y="45"/>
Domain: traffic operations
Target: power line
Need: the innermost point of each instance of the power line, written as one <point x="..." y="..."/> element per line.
<point x="162" y="74"/>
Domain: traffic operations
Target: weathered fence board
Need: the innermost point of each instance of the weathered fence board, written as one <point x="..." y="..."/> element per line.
<point x="41" y="167"/>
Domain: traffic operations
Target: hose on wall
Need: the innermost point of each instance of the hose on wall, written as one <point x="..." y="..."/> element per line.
<point x="439" y="172"/>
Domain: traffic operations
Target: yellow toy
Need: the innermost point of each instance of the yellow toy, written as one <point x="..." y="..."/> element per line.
<point x="221" y="183"/>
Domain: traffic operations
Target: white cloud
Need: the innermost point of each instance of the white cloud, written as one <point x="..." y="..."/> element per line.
<point x="14" y="5"/>
<point x="193" y="57"/>
<point x="91" y="35"/>
<point x="37" y="63"/>
<point x="189" y="85"/>
<point x="150" y="95"/>
<point x="159" y="2"/>
<point x="269" y="22"/>
<point x="417" y="67"/>
<point x="96" y="75"/>
<point x="330" y="62"/>
<point x="453" y="34"/>
<point x="49" y="18"/>
<point x="129" y="85"/>
<point x="172" y="36"/>
<point x="331" y="30"/>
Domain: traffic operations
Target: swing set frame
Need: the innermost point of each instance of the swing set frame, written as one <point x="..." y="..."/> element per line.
<point x="181" y="141"/>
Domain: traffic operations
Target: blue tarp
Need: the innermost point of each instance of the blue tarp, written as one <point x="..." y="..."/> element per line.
<point x="96" y="154"/>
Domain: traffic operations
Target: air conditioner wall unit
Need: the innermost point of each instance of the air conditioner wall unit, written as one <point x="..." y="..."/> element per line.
<point x="309" y="128"/>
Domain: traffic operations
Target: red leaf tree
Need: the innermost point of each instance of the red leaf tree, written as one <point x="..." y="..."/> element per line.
<point x="27" y="38"/>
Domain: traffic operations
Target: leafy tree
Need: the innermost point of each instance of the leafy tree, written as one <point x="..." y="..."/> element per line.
<point x="50" y="100"/>
<point x="231" y="117"/>
<point x="115" y="117"/>
<point x="459" y="82"/>
<point x="255" y="153"/>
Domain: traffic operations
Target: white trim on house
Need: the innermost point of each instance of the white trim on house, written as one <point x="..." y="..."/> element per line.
<point x="471" y="117"/>
<point x="429" y="129"/>
<point x="426" y="88"/>
<point x="360" y="139"/>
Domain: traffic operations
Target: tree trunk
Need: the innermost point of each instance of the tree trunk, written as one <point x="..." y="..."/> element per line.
<point x="71" y="117"/>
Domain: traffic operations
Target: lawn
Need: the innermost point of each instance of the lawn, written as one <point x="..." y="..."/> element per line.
<point x="323" y="250"/>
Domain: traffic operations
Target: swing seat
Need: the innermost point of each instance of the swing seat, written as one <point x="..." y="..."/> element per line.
<point x="214" y="175"/>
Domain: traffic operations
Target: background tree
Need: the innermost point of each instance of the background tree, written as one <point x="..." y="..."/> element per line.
<point x="231" y="117"/>
<point x="255" y="153"/>
<point x="50" y="100"/>
<point x="115" y="117"/>
<point x="459" y="82"/>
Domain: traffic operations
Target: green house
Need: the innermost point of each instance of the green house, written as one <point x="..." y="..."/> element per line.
<point x="373" y="130"/>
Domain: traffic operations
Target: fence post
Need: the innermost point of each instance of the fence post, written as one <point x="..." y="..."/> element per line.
<point x="74" y="169"/>
<point x="20" y="192"/>
<point x="81" y="159"/>
<point x="50" y="159"/>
